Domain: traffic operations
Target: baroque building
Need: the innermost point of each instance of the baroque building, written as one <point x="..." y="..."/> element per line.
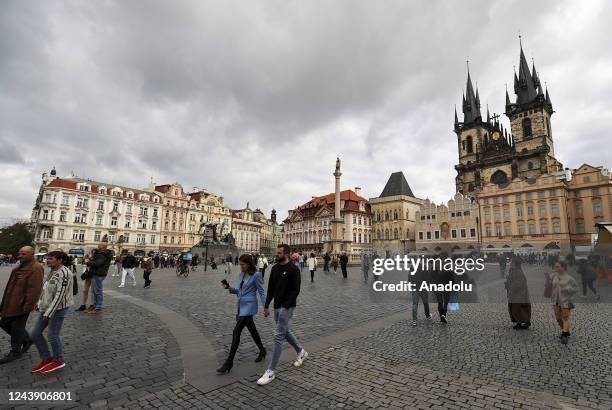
<point x="394" y="212"/>
<point x="76" y="214"/>
<point x="488" y="152"/>
<point x="450" y="228"/>
<point x="308" y="228"/>
<point x="174" y="217"/>
<point x="246" y="230"/>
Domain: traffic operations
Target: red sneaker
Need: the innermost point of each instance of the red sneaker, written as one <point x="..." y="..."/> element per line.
<point x="53" y="366"/>
<point x="40" y="365"/>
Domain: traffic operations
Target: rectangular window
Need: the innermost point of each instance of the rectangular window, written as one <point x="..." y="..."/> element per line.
<point x="97" y="236"/>
<point x="114" y="221"/>
<point x="487" y="214"/>
<point x="556" y="227"/>
<point x="100" y="205"/>
<point x="488" y="230"/>
<point x="532" y="229"/>
<point x="60" y="233"/>
<point x="517" y="197"/>
<point x="554" y="207"/>
<point x="521" y="229"/>
<point x="454" y="233"/>
<point x="98" y="219"/>
<point x="580" y="227"/>
<point x="126" y="237"/>
<point x="597" y="210"/>
<point x="530" y="210"/>
<point x="578" y="206"/>
<point x="542" y="209"/>
<point x="152" y="239"/>
<point x="62" y="217"/>
<point x="472" y="232"/>
<point x="128" y="222"/>
<point x="45" y="214"/>
<point x="437" y="234"/>
<point x="519" y="211"/>
<point x="595" y="191"/>
<point x="497" y="213"/>
<point x="463" y="234"/>
<point x="507" y="230"/>
<point x="420" y="236"/>
<point x="429" y="235"/>
<point x="541" y="194"/>
<point x="543" y="228"/>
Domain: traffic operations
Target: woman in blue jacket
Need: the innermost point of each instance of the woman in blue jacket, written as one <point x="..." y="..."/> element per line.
<point x="250" y="284"/>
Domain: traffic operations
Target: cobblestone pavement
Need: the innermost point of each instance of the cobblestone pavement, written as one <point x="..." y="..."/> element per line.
<point x="129" y="358"/>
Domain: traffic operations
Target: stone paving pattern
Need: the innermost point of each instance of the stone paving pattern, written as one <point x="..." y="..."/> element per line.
<point x="128" y="359"/>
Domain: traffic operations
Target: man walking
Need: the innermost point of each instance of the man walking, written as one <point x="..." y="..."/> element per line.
<point x="147" y="266"/>
<point x="128" y="263"/>
<point x="262" y="264"/>
<point x="343" y="264"/>
<point x="20" y="298"/>
<point x="228" y="264"/>
<point x="283" y="288"/>
<point x="98" y="267"/>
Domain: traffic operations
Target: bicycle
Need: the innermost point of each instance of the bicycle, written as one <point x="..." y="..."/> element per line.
<point x="182" y="270"/>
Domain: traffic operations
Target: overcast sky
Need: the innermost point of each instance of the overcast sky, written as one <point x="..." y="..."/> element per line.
<point x="254" y="100"/>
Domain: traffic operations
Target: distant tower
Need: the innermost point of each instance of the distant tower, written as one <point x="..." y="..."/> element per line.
<point x="530" y="116"/>
<point x="273" y="215"/>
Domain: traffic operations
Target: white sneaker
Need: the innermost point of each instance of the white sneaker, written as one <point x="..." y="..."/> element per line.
<point x="121" y="286"/>
<point x="267" y="377"/>
<point x="300" y="358"/>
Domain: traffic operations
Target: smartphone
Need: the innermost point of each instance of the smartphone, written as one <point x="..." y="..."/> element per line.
<point x="225" y="284"/>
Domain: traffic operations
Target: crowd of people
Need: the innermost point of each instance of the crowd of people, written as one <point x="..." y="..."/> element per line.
<point x="52" y="294"/>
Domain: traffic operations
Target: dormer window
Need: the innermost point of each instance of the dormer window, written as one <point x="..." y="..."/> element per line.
<point x="102" y="191"/>
<point x="83" y="187"/>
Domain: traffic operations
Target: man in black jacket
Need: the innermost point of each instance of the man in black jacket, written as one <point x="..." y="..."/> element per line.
<point x="283" y="288"/>
<point x="343" y="264"/>
<point x="128" y="265"/>
<point x="98" y="268"/>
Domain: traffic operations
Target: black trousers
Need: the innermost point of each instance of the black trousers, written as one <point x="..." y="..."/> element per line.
<point x="15" y="326"/>
<point x="241" y="322"/>
<point x="263" y="273"/>
<point x="343" y="267"/>
<point x="590" y="283"/>
<point x="442" y="298"/>
<point x="146" y="276"/>
<point x="326" y="266"/>
<point x="312" y="275"/>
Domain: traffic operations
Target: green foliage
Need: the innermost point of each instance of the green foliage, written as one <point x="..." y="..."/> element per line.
<point x="14" y="237"/>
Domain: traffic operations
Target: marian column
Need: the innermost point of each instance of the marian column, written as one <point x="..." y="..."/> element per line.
<point x="337" y="174"/>
<point x="337" y="242"/>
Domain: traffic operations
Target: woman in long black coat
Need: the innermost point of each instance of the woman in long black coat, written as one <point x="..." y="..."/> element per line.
<point x="519" y="303"/>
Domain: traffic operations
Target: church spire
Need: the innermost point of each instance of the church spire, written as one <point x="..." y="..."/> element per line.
<point x="525" y="88"/>
<point x="471" y="103"/>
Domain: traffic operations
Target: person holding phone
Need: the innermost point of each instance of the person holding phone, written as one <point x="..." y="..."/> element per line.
<point x="250" y="284"/>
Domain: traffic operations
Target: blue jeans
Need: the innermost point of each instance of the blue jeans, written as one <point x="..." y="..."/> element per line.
<point x="98" y="291"/>
<point x="415" y="304"/>
<point x="54" y="324"/>
<point x="281" y="333"/>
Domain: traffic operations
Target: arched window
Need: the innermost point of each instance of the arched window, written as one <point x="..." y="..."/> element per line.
<point x="548" y="127"/>
<point x="527" y="128"/>
<point x="395" y="215"/>
<point x="386" y="215"/>
<point x="395" y="234"/>
<point x="386" y="234"/>
<point x="469" y="144"/>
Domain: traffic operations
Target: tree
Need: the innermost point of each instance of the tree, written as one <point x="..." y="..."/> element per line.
<point x="13" y="237"/>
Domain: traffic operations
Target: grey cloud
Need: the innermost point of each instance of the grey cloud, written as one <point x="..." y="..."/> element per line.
<point x="254" y="100"/>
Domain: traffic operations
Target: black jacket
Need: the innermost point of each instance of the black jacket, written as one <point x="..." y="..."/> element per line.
<point x="99" y="262"/>
<point x="129" y="262"/>
<point x="283" y="286"/>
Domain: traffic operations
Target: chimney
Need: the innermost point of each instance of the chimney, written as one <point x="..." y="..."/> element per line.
<point x="358" y="190"/>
